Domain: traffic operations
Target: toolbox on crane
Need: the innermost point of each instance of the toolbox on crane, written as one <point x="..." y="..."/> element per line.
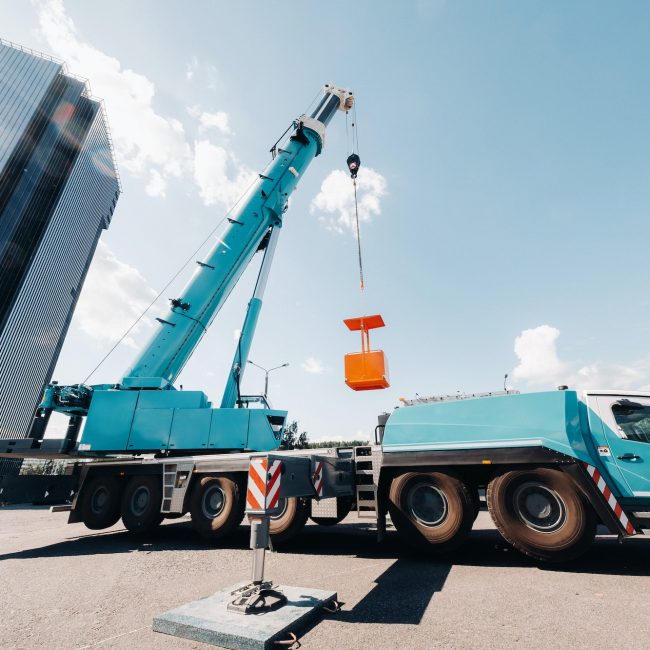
<point x="366" y="370"/>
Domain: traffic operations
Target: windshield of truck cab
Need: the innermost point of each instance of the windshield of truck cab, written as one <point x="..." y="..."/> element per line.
<point x="633" y="419"/>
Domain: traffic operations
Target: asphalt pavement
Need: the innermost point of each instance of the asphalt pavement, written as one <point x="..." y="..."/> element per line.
<point x="63" y="586"/>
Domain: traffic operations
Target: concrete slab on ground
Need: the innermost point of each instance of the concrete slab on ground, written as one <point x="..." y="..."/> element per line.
<point x="209" y="621"/>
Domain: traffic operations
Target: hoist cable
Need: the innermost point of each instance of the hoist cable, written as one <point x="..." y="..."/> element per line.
<point x="355" y="130"/>
<point x="180" y="270"/>
<point x="354" y="162"/>
<point x="356" y="212"/>
<point x="347" y="137"/>
<point x="313" y="101"/>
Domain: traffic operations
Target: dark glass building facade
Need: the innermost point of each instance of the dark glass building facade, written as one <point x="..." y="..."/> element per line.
<point x="58" y="190"/>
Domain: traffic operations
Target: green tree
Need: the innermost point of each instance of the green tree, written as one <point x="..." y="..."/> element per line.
<point x="337" y="443"/>
<point x="291" y="439"/>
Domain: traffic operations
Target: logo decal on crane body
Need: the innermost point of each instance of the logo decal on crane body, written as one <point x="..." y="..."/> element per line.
<point x="263" y="491"/>
<point x="597" y="478"/>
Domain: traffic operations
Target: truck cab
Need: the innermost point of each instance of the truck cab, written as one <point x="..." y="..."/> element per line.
<point x="619" y="425"/>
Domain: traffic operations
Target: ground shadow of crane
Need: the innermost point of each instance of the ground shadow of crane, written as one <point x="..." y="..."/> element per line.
<point x="401" y="593"/>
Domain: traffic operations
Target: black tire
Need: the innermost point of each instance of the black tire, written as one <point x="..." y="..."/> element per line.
<point x="141" y="503"/>
<point x="343" y="507"/>
<point x="100" y="502"/>
<point x="542" y="514"/>
<point x="432" y="511"/>
<point x="291" y="519"/>
<point x="217" y="506"/>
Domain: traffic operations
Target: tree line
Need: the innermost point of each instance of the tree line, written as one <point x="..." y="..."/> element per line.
<point x="293" y="438"/>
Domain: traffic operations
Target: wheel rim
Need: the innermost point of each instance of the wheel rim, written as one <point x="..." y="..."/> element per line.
<point x="281" y="508"/>
<point x="427" y="504"/>
<point x="214" y="501"/>
<point x="140" y="500"/>
<point x="539" y="507"/>
<point x="99" y="500"/>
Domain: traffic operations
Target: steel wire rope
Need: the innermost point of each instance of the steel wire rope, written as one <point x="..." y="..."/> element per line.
<point x="172" y="279"/>
<point x="355" y="127"/>
<point x="347" y="137"/>
<point x="313" y="101"/>
<point x="356" y="212"/>
<point x="355" y="136"/>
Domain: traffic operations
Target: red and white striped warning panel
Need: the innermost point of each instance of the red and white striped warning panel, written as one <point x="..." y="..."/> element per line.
<point x="317" y="478"/>
<point x="597" y="478"/>
<point x="263" y="491"/>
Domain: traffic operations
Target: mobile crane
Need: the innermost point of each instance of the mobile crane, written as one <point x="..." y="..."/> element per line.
<point x="553" y="464"/>
<point x="143" y="414"/>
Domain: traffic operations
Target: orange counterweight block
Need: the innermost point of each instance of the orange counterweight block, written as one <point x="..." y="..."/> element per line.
<point x="366" y="370"/>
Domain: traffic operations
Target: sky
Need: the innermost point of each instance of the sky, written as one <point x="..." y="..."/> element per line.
<point x="504" y="189"/>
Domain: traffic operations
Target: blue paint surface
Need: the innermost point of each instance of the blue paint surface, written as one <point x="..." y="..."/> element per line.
<point x="556" y="420"/>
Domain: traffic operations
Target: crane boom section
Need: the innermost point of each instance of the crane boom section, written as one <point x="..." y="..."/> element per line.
<point x="190" y="315"/>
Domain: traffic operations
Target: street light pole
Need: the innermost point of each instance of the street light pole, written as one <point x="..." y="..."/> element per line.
<point x="266" y="374"/>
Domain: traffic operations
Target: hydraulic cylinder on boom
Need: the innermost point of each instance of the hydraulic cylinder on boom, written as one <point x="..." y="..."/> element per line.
<point x="144" y="413"/>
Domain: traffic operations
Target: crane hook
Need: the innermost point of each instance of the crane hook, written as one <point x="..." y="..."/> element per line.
<point x="354" y="162"/>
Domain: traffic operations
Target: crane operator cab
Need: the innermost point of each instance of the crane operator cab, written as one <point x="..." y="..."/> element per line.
<point x="368" y="369"/>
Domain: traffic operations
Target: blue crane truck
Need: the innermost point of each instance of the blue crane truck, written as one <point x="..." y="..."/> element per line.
<point x="553" y="465"/>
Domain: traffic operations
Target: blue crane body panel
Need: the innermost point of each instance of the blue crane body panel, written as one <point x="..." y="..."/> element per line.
<point x="561" y="421"/>
<point x="170" y="420"/>
<point x="549" y="419"/>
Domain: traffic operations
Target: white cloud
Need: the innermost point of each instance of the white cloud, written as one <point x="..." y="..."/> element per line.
<point x="212" y="76"/>
<point x="312" y="365"/>
<point x="57" y="425"/>
<point x="156" y="187"/>
<point x="206" y="74"/>
<point x="335" y="201"/>
<point x="191" y="68"/>
<point x="220" y="176"/>
<point x="145" y="141"/>
<point x="235" y="335"/>
<point x="611" y="375"/>
<point x="537" y="354"/>
<point x="113" y="296"/>
<point x="218" y="120"/>
<point x="540" y="366"/>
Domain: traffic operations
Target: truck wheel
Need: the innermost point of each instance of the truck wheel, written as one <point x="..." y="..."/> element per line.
<point x="141" y="503"/>
<point x="343" y="507"/>
<point x="217" y="506"/>
<point x="290" y="520"/>
<point x="431" y="510"/>
<point x="542" y="514"/>
<point x="100" y="502"/>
